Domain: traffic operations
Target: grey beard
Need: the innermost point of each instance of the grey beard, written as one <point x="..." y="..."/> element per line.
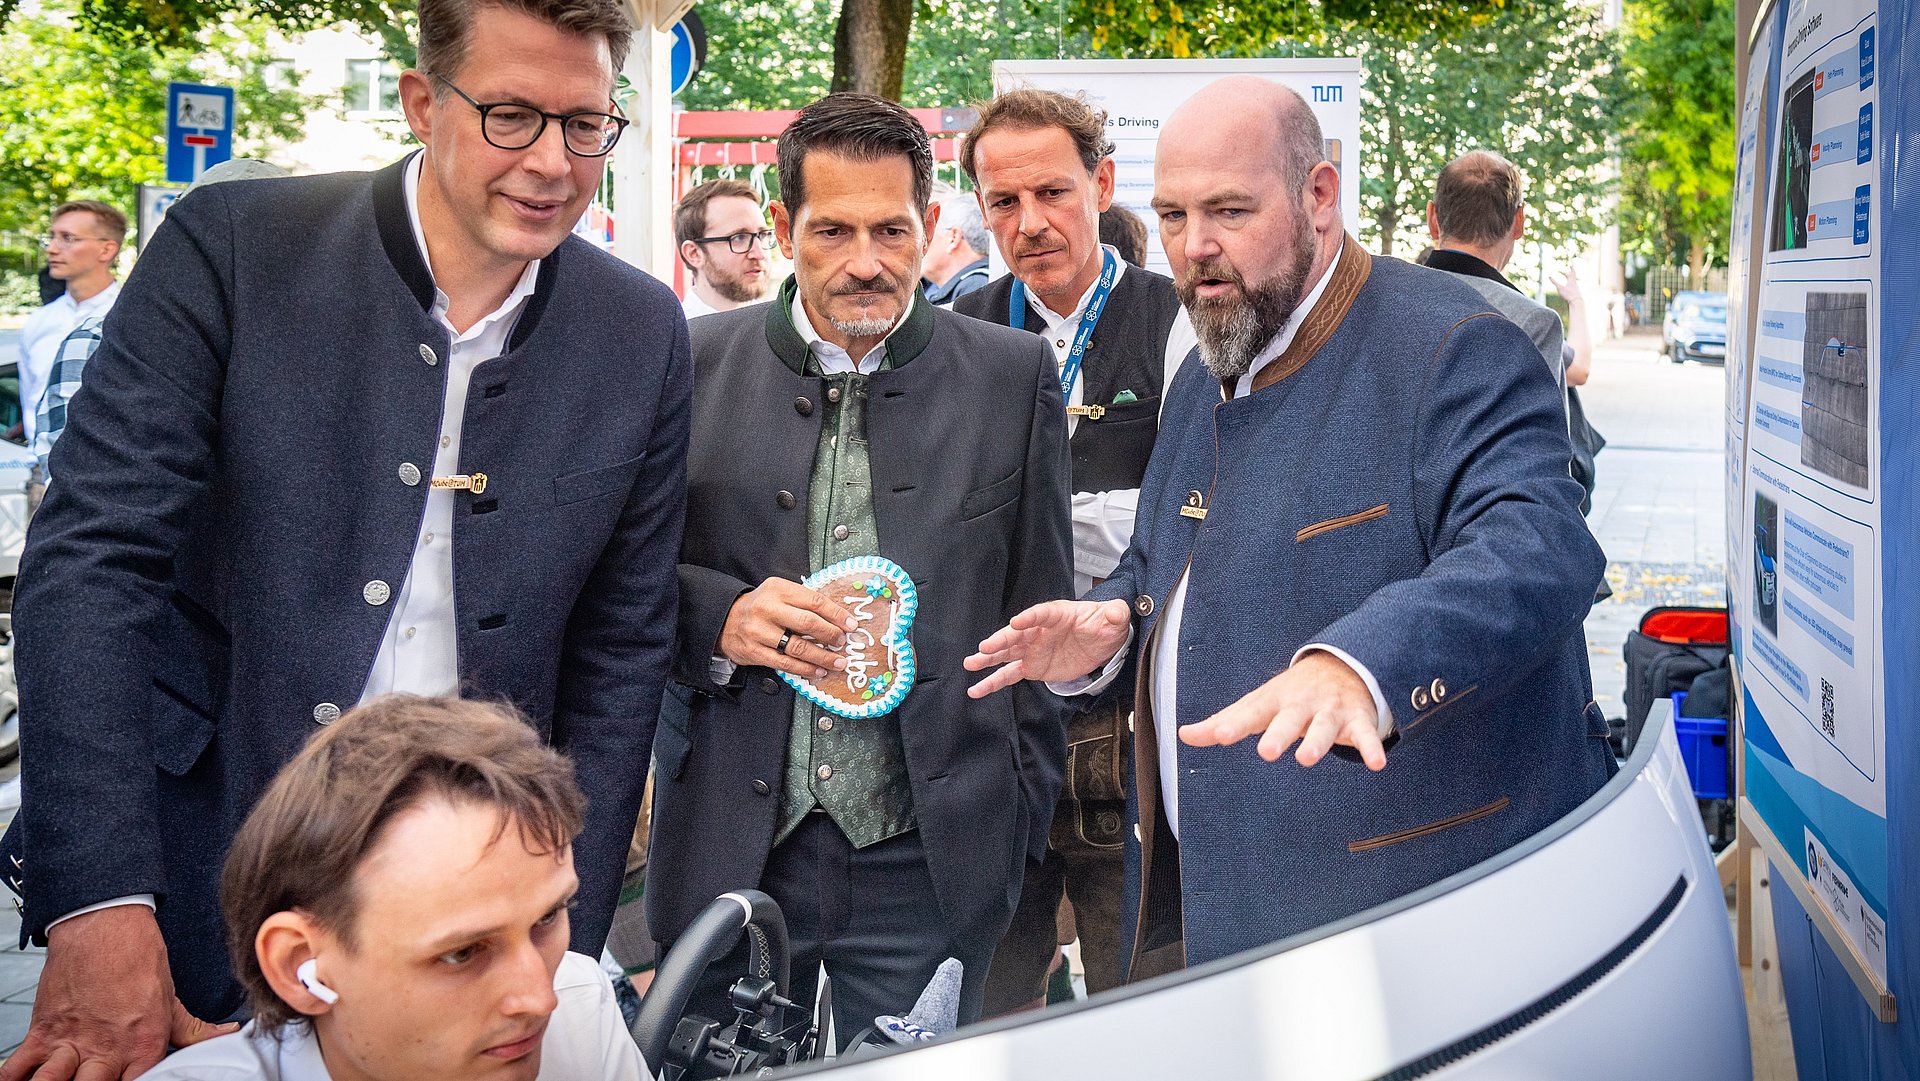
<point x="1233" y="330"/>
<point x="861" y="328"/>
<point x="1231" y="338"/>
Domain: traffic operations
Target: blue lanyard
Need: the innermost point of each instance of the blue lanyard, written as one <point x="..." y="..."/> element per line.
<point x="1070" y="371"/>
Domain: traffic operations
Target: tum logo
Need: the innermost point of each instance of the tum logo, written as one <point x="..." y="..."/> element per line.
<point x="1326" y="93"/>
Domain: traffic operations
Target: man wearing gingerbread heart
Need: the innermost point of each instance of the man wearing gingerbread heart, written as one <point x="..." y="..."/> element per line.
<point x="1356" y="534"/>
<point x="910" y="467"/>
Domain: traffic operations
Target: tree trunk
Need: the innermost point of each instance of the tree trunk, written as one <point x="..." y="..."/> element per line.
<point x="1697" y="265"/>
<point x="870" y="46"/>
<point x="1388" y="222"/>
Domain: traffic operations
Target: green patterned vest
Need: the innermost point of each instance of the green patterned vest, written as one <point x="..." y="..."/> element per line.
<point x="855" y="770"/>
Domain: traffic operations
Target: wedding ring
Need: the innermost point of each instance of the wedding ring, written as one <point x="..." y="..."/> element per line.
<point x="785" y="637"/>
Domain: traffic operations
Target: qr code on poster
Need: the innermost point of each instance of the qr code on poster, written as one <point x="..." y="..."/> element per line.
<point x="1826" y="707"/>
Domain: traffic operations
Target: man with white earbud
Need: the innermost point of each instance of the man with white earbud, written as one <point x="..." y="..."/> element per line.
<point x="396" y="908"/>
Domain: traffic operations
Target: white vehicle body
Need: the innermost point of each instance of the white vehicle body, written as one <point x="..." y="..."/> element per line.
<point x="1598" y="949"/>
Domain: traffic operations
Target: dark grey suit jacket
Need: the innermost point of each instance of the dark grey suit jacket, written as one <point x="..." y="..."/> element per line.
<point x="970" y="482"/>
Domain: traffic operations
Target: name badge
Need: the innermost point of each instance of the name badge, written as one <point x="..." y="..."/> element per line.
<point x="462" y="482"/>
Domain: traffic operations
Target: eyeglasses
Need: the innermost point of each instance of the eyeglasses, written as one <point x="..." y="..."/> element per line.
<point x="742" y="242"/>
<point x="511" y="125"/>
<point x="65" y="240"/>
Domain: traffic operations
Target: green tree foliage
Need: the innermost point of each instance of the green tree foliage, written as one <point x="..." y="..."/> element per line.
<point x="83" y="115"/>
<point x="1538" y="85"/>
<point x="778" y="54"/>
<point x="178" y="23"/>
<point x="1677" y="196"/>
<point x="1207" y="28"/>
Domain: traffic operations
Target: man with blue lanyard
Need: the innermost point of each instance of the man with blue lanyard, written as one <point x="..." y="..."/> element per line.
<point x="1043" y="171"/>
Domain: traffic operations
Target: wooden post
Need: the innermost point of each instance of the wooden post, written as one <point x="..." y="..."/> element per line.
<point x="643" y="162"/>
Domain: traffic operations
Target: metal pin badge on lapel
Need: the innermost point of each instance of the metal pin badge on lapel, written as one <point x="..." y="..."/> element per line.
<point x="475" y="483"/>
<point x="1196" y="505"/>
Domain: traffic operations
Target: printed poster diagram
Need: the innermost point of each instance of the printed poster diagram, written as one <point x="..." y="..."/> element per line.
<point x="1834" y="437"/>
<point x="1824" y="174"/>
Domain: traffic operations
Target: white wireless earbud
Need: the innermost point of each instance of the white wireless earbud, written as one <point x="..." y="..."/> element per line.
<point x="308" y="979"/>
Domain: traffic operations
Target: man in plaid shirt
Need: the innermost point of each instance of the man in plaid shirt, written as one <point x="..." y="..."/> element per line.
<point x="64" y="381"/>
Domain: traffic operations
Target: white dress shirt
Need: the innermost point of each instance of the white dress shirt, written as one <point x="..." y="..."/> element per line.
<point x="833" y="361"/>
<point x="419" y="654"/>
<point x="586" y="1040"/>
<point x="40" y="338"/>
<point x="1103" y="521"/>
<point x="1165" y="667"/>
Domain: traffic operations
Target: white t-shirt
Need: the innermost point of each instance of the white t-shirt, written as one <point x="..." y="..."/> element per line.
<point x="586" y="1040"/>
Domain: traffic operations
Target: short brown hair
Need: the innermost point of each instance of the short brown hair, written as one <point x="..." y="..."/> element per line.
<point x="445" y="26"/>
<point x="111" y="221"/>
<point x="1476" y="197"/>
<point x="329" y="808"/>
<point x="690" y="213"/>
<point x="1028" y="109"/>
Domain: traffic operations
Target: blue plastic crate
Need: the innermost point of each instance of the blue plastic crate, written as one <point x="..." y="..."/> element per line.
<point x="1703" y="744"/>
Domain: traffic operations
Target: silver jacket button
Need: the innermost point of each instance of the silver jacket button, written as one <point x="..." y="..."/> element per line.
<point x="409" y="474"/>
<point x="326" y="713"/>
<point x="376" y="592"/>
<point x="427" y="354"/>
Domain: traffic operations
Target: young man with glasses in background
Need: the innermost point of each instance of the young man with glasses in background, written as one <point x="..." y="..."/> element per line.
<point x="81" y="245"/>
<point x="348" y="434"/>
<point x="724" y="243"/>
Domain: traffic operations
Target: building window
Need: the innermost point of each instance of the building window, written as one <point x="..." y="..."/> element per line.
<point x="373" y="86"/>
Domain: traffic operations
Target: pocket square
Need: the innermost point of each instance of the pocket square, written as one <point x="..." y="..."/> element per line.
<point x="1125" y="397"/>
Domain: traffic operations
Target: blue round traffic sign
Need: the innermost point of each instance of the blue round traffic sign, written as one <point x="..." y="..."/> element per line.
<point x="689" y="51"/>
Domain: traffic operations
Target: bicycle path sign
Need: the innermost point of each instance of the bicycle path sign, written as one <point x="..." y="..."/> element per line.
<point x="199" y="129"/>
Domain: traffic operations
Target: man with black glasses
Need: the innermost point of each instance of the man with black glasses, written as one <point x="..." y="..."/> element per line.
<point x="724" y="244"/>
<point x="348" y="434"/>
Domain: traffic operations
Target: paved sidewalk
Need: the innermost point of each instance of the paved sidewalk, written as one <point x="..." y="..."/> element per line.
<point x="19" y="977"/>
<point x="1659" y="499"/>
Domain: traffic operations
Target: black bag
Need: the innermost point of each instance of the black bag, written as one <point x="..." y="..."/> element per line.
<point x="1586" y="443"/>
<point x="1672" y="646"/>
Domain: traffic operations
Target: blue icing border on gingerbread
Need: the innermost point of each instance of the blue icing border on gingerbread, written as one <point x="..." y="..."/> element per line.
<point x="897" y="639"/>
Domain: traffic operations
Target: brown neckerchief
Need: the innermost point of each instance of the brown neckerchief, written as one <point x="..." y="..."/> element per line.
<point x="1350" y="272"/>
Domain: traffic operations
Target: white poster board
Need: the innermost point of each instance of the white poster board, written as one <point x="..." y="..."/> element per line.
<point x="1810" y="587"/>
<point x="1139" y="95"/>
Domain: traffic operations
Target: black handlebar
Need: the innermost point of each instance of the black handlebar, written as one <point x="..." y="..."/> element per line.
<point x="710" y="938"/>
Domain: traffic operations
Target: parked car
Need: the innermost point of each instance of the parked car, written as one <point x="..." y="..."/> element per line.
<point x="16" y="463"/>
<point x="1695" y="328"/>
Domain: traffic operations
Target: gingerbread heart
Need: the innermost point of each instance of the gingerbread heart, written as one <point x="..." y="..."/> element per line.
<point x="880" y="662"/>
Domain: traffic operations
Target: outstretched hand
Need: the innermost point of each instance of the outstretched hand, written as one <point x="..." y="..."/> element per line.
<point x="1052" y="641"/>
<point x="1318" y="700"/>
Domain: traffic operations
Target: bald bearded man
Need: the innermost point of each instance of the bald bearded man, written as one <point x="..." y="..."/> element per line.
<point x="1357" y="535"/>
